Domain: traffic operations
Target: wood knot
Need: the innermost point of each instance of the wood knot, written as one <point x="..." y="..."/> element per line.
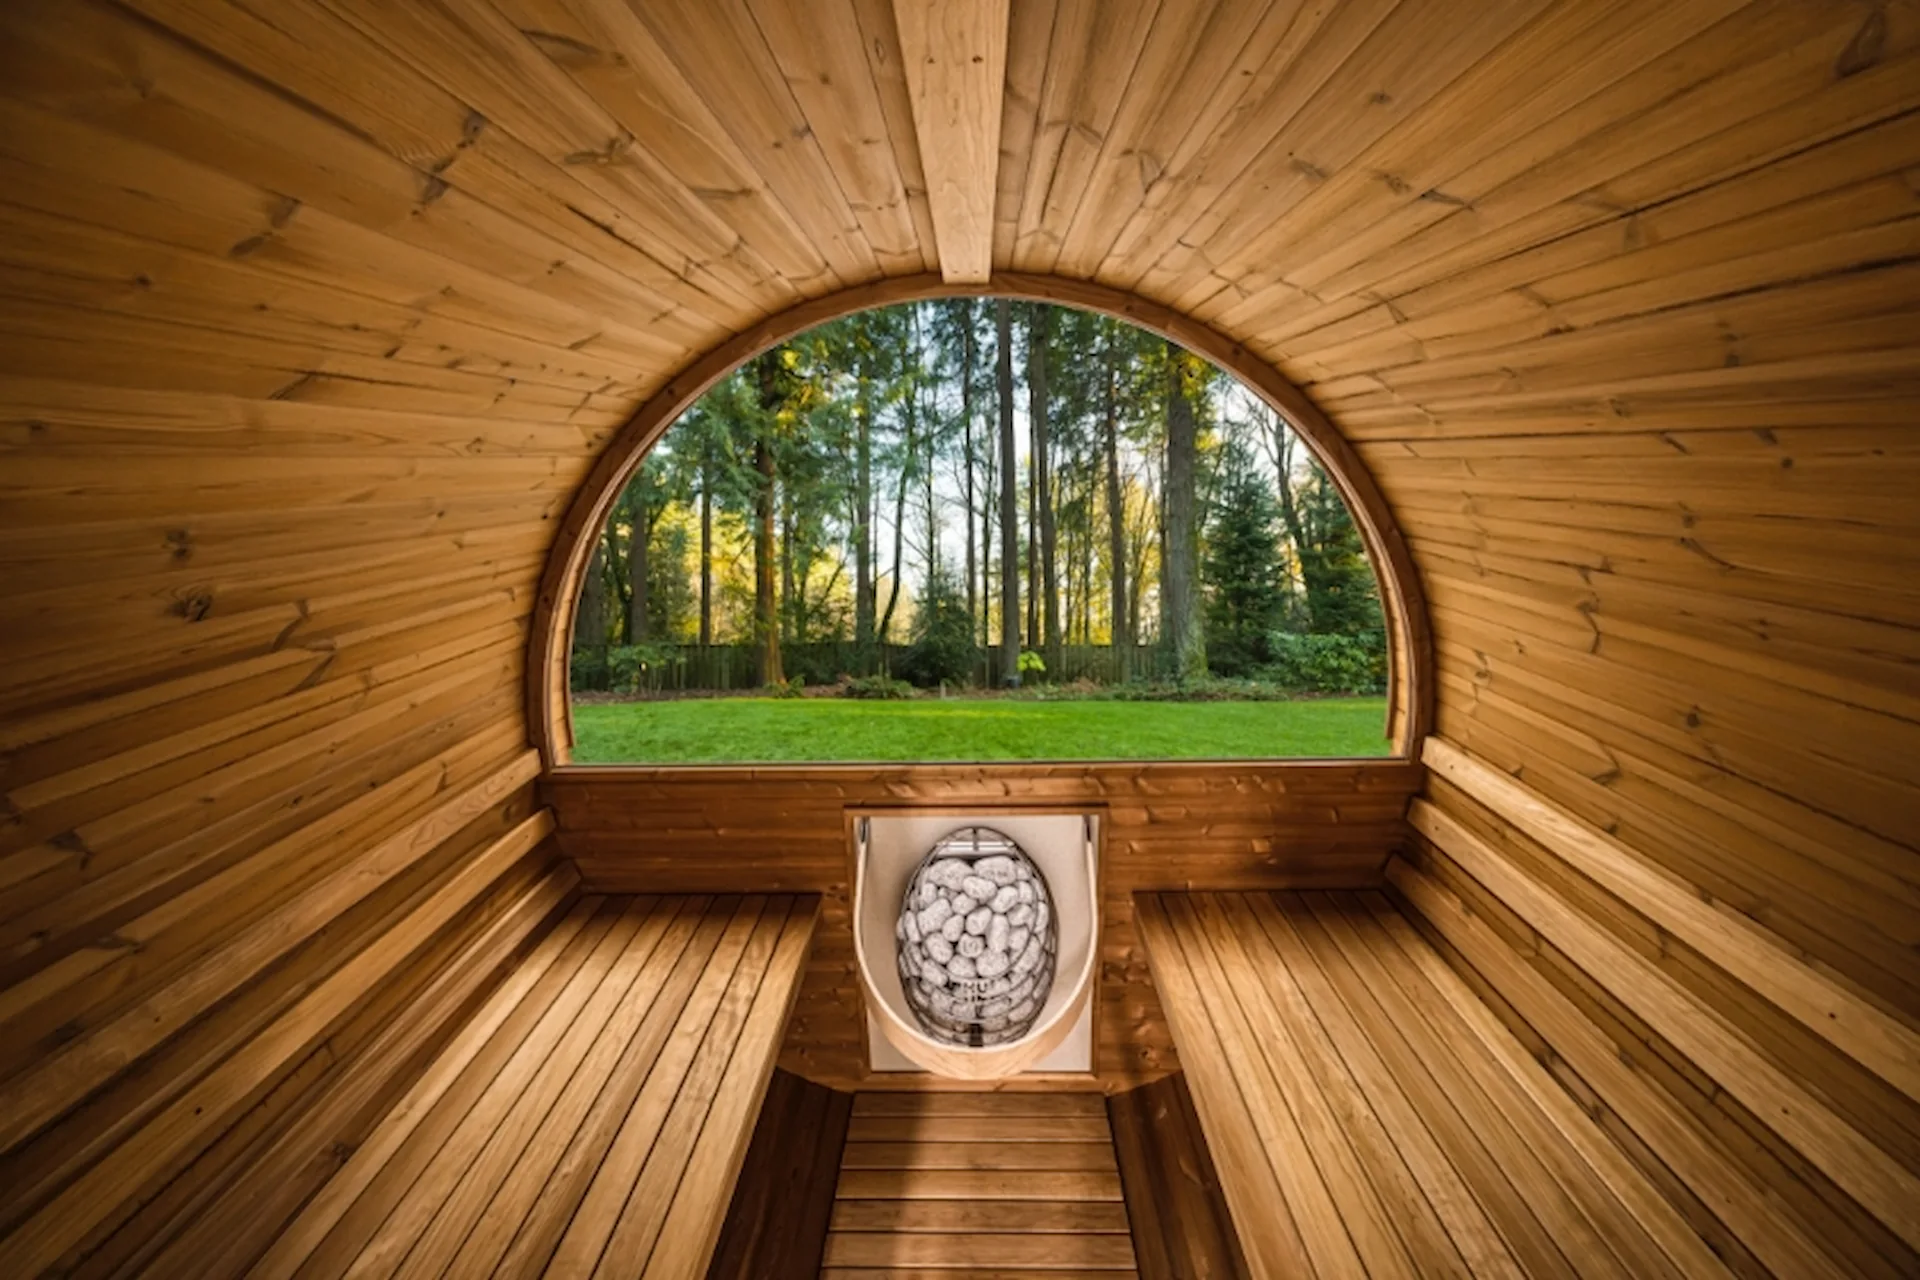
<point x="194" y="606"/>
<point x="1866" y="48"/>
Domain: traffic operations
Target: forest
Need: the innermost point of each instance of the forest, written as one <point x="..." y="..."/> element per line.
<point x="972" y="496"/>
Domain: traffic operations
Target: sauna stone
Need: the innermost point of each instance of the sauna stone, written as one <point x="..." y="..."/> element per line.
<point x="976" y="940"/>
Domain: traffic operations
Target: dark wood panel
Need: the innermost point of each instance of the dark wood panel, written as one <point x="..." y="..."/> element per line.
<point x="776" y="1225"/>
<point x="1181" y="1225"/>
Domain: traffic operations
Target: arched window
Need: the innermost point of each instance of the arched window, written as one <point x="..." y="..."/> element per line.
<point x="975" y="529"/>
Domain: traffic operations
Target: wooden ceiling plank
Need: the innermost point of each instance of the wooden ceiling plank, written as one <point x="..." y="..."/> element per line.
<point x="1410" y="59"/>
<point x="511" y="86"/>
<point x="386" y="228"/>
<point x="830" y="68"/>
<point x="1560" y="60"/>
<point x="1768" y="93"/>
<point x="65" y="261"/>
<point x="955" y="55"/>
<point x="471" y="137"/>
<point x="1029" y="52"/>
<point x="718" y="41"/>
<point x="881" y="39"/>
<point x="1295" y="52"/>
<point x="1776" y="215"/>
<point x="1189" y="55"/>
<point x="1082" y="101"/>
<point x="613" y="56"/>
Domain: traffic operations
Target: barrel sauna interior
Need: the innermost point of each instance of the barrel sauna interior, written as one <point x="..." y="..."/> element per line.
<point x="331" y="328"/>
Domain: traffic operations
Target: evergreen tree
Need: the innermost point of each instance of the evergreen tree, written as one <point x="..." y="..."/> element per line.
<point x="943" y="650"/>
<point x="1243" y="570"/>
<point x="1342" y="595"/>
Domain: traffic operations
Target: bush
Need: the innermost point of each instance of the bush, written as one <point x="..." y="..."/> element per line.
<point x="1032" y="664"/>
<point x="943" y="651"/>
<point x="1329" y="663"/>
<point x="1211" y="689"/>
<point x="815" y="663"/>
<point x="636" y="668"/>
<point x="879" y="687"/>
<point x="588" y="670"/>
<point x="794" y="688"/>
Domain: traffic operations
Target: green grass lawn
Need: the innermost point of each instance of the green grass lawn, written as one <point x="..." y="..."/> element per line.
<point x="739" y="730"/>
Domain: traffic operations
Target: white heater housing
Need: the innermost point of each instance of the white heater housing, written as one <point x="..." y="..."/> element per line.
<point x="1065" y="847"/>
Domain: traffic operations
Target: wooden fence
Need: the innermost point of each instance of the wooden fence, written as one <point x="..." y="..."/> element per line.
<point x="722" y="667"/>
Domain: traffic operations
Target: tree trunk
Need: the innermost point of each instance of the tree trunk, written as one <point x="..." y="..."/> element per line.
<point x="590" y="624"/>
<point x="900" y="508"/>
<point x="637" y="548"/>
<point x="766" y="610"/>
<point x="1282" y="451"/>
<point x="989" y="515"/>
<point x="926" y="476"/>
<point x="965" y="311"/>
<point x="706" y="544"/>
<point x="1032" y="565"/>
<point x="1179" y="575"/>
<point x="792" y="605"/>
<point x="1039" y="343"/>
<point x="1122" y="630"/>
<point x="863" y="585"/>
<point x="1009" y="550"/>
<point x="1086" y="559"/>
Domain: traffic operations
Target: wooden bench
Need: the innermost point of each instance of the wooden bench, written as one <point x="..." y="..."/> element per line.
<point x="590" y="1119"/>
<point x="1370" y="1116"/>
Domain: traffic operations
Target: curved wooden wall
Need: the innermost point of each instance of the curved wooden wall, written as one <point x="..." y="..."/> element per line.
<point x="311" y="326"/>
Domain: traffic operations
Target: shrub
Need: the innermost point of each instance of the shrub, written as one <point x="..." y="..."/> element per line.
<point x="1032" y="663"/>
<point x="794" y="688"/>
<point x="1329" y="663"/>
<point x="1210" y="689"/>
<point x="943" y="651"/>
<point x="879" y="687"/>
<point x="633" y="668"/>
<point x="588" y="670"/>
<point x="814" y="663"/>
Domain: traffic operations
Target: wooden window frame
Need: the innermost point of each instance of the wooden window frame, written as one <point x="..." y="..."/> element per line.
<point x="549" y="651"/>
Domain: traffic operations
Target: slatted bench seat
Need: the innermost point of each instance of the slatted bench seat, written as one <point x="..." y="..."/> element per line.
<point x="591" y="1117"/>
<point x="1369" y="1116"/>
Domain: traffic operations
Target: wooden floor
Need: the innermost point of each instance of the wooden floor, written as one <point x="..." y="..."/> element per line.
<point x="590" y="1119"/>
<point x="1007" y="1185"/>
<point x="1369" y="1116"/>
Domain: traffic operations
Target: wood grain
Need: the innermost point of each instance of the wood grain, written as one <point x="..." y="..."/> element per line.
<point x="955" y="58"/>
<point x="1165" y="826"/>
<point x="316" y="323"/>
<point x="1325" y="1017"/>
<point x="981" y="1205"/>
<point x="776" y="1224"/>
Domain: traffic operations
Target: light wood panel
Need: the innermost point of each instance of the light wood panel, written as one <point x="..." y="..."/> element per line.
<point x="1166" y="826"/>
<point x="590" y="1119"/>
<point x="955" y="59"/>
<point x="106" y="1160"/>
<point x="1689" y="1030"/>
<point x="1369" y="1116"/>
<point x="993" y="1183"/>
